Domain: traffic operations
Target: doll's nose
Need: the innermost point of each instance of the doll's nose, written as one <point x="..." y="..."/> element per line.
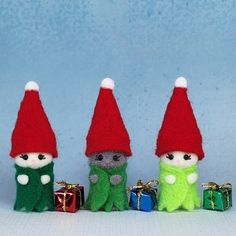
<point x="107" y="161"/>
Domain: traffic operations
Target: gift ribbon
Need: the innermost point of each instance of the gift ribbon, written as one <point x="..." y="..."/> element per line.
<point x="214" y="187"/>
<point x="151" y="185"/>
<point x="67" y="188"/>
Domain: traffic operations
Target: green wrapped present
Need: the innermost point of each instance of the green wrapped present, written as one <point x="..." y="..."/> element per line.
<point x="217" y="197"/>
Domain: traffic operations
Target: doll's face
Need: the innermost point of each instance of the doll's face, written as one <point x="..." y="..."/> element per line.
<point x="108" y="159"/>
<point x="181" y="159"/>
<point x="33" y="160"/>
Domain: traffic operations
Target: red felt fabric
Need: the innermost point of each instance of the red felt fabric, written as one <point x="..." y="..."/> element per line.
<point x="179" y="130"/>
<point x="107" y="131"/>
<point x="32" y="132"/>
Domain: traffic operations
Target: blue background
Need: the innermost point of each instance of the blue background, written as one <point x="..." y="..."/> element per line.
<point x="68" y="47"/>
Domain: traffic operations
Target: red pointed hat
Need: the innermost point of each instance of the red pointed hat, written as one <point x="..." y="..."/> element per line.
<point x="107" y="131"/>
<point x="32" y="132"/>
<point x="179" y="130"/>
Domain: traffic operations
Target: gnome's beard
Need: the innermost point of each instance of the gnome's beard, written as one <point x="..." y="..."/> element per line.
<point x="108" y="159"/>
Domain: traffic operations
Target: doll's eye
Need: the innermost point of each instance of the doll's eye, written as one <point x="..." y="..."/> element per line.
<point x="116" y="157"/>
<point x="187" y="157"/>
<point x="41" y="157"/>
<point x="170" y="156"/>
<point x="99" y="157"/>
<point x="24" y="157"/>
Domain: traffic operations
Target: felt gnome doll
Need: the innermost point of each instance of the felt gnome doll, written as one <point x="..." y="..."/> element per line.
<point x="33" y="148"/>
<point x="108" y="148"/>
<point x="179" y="146"/>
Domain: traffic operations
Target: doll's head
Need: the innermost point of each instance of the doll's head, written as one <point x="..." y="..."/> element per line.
<point x="33" y="160"/>
<point x="32" y="132"/>
<point x="180" y="159"/>
<point x="179" y="140"/>
<point x="107" y="141"/>
<point x="108" y="159"/>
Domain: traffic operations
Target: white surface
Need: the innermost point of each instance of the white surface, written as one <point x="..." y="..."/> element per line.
<point x="198" y="222"/>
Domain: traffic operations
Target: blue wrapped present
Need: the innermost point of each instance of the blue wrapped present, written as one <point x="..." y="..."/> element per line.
<point x="143" y="197"/>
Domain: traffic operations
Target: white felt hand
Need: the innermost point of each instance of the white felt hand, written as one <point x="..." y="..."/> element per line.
<point x="45" y="179"/>
<point x="93" y="178"/>
<point x="192" y="178"/>
<point x="115" y="179"/>
<point x="170" y="179"/>
<point x="23" y="179"/>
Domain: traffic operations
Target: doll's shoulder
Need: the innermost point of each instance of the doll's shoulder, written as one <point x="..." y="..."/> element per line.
<point x="48" y="169"/>
<point x="23" y="170"/>
<point x="96" y="170"/>
<point x="191" y="169"/>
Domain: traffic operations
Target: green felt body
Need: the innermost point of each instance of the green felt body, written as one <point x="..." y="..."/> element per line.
<point x="181" y="194"/>
<point x="34" y="196"/>
<point x="105" y="196"/>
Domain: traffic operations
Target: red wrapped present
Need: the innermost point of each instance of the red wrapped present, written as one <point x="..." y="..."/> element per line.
<point x="70" y="198"/>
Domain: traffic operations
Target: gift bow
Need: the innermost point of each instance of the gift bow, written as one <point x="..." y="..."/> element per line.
<point x="68" y="187"/>
<point x="215" y="186"/>
<point x="152" y="184"/>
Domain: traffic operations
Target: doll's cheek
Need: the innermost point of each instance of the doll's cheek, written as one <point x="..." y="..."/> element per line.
<point x="21" y="162"/>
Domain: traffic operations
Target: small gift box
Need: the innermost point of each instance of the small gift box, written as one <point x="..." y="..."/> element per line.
<point x="69" y="198"/>
<point x="143" y="196"/>
<point x="217" y="197"/>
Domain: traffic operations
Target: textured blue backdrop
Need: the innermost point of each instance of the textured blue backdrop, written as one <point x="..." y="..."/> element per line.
<point x="68" y="47"/>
